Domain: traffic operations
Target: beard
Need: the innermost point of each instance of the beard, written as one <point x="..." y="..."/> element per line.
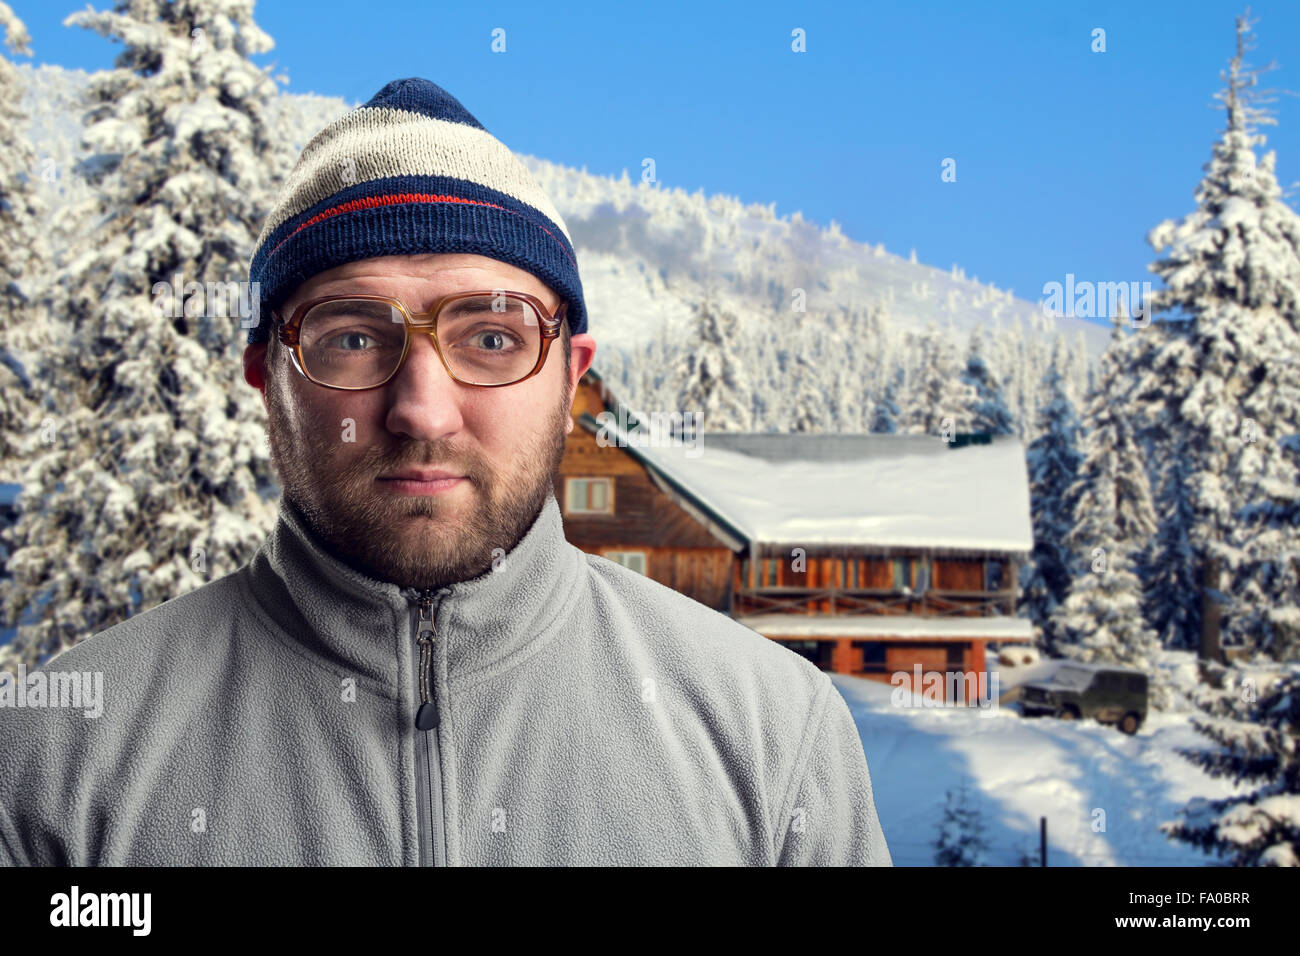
<point x="412" y="541"/>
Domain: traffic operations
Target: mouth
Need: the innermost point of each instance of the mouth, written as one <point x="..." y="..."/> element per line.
<point x="420" y="481"/>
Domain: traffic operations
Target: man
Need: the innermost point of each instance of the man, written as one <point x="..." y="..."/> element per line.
<point x="417" y="668"/>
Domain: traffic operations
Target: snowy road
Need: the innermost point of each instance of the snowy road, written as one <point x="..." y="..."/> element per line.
<point x="1021" y="769"/>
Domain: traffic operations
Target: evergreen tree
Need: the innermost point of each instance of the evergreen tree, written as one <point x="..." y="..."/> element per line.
<point x="713" y="383"/>
<point x="1054" y="463"/>
<point x="886" y="415"/>
<point x="939" y="397"/>
<point x="24" y="261"/>
<point x="808" y="410"/>
<point x="159" y="477"/>
<point x="988" y="410"/>
<point x="1163" y="369"/>
<point x="1173" y="590"/>
<point x="1268" y="571"/>
<point x="805" y="381"/>
<point x="1257" y="731"/>
<point x="961" y="832"/>
<point x="1233" y="269"/>
<point x="1101" y="617"/>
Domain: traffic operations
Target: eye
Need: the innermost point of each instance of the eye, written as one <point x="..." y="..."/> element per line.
<point x="491" y="341"/>
<point x="352" y="341"/>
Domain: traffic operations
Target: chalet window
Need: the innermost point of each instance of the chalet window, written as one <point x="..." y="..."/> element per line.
<point x="632" y="560"/>
<point x="588" y="496"/>
<point x="994" y="575"/>
<point x="873" y="655"/>
<point x="954" y="656"/>
<point x="912" y="573"/>
<point x="771" y="572"/>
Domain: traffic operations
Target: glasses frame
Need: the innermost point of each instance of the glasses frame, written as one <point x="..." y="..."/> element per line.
<point x="416" y="323"/>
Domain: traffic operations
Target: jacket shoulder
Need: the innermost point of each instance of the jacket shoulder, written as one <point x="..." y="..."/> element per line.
<point x="178" y="627"/>
<point x="705" y="645"/>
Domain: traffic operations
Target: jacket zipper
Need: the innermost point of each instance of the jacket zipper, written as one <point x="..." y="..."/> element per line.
<point x="428" y="765"/>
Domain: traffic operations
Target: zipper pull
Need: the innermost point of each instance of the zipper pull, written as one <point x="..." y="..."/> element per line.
<point x="426" y="718"/>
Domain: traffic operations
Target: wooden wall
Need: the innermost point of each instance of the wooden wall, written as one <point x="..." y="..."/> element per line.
<point x="680" y="552"/>
<point x="683" y="555"/>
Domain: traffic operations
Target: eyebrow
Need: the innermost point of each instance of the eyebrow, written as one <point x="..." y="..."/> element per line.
<point x="473" y="305"/>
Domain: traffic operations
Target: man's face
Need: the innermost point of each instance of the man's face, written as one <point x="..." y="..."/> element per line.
<point x="335" y="451"/>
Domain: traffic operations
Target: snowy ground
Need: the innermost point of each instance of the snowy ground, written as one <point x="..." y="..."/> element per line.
<point x="1020" y="769"/>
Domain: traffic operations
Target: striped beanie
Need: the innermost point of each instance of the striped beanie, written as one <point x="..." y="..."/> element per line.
<point x="409" y="172"/>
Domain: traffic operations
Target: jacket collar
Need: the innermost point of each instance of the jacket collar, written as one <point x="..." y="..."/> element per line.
<point x="362" y="625"/>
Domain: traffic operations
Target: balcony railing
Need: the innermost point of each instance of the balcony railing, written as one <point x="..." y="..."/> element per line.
<point x="812" y="601"/>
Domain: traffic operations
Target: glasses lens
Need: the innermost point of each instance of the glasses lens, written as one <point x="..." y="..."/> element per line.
<point x="490" y="339"/>
<point x="352" y="343"/>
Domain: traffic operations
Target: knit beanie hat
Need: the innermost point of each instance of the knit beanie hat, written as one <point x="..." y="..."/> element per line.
<point x="409" y="172"/>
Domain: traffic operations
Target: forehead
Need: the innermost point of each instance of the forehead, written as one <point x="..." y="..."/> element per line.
<point x="422" y="278"/>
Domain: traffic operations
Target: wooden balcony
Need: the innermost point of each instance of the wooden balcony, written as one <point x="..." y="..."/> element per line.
<point x="814" y="601"/>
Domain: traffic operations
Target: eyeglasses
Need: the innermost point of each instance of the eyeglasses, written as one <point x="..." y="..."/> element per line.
<point x="484" y="339"/>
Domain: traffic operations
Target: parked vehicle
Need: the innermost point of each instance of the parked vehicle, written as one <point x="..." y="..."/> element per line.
<point x="1108" y="694"/>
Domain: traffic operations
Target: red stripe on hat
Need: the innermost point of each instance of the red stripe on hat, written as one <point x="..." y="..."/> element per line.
<point x="372" y="202"/>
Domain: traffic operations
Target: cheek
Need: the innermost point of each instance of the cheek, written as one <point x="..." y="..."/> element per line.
<point x="330" y="426"/>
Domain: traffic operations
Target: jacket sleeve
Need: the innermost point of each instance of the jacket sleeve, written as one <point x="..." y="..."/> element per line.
<point x="10" y="852"/>
<point x="829" y="819"/>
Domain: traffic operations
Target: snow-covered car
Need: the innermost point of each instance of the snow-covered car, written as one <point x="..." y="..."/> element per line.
<point x="1109" y="694"/>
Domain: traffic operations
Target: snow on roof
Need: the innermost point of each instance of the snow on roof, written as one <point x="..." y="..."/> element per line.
<point x="878" y="490"/>
<point x="888" y="625"/>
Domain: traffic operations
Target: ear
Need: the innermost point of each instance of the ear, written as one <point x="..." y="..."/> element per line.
<point x="582" y="352"/>
<point x="255" y="366"/>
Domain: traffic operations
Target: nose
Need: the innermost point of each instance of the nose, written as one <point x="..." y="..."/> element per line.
<point x="423" y="399"/>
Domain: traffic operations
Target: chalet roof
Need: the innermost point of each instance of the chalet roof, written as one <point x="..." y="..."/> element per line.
<point x="889" y="491"/>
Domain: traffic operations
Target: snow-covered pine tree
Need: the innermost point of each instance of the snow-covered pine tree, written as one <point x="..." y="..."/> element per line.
<point x="808" y="410"/>
<point x="939" y="396"/>
<point x="1054" y="463"/>
<point x="1019" y="386"/>
<point x="961" y="832"/>
<point x="886" y="414"/>
<point x="159" y="478"/>
<point x="1233" y="269"/>
<point x="764" y="357"/>
<point x="876" y="354"/>
<point x="806" y="380"/>
<point x="1262" y="553"/>
<point x="988" y="410"/>
<point x="712" y="381"/>
<point x="24" y="262"/>
<point x="1101" y="618"/>
<point x="1173" y="589"/>
<point x="1163" y="370"/>
<point x="1267" y="595"/>
<point x="1257" y="731"/>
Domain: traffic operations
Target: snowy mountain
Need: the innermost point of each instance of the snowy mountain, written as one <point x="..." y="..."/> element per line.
<point x="647" y="252"/>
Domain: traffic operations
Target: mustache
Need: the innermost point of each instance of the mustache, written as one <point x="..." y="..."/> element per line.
<point x="419" y="455"/>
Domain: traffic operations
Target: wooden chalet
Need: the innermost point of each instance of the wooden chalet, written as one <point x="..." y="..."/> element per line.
<point x="868" y="554"/>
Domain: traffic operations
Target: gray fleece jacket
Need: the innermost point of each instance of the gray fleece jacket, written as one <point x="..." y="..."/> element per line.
<point x="577" y="713"/>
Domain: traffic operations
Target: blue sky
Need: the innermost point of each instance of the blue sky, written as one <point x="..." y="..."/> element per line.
<point x="1065" y="157"/>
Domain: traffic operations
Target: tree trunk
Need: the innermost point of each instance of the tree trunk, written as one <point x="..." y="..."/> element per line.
<point x="1211" y="649"/>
